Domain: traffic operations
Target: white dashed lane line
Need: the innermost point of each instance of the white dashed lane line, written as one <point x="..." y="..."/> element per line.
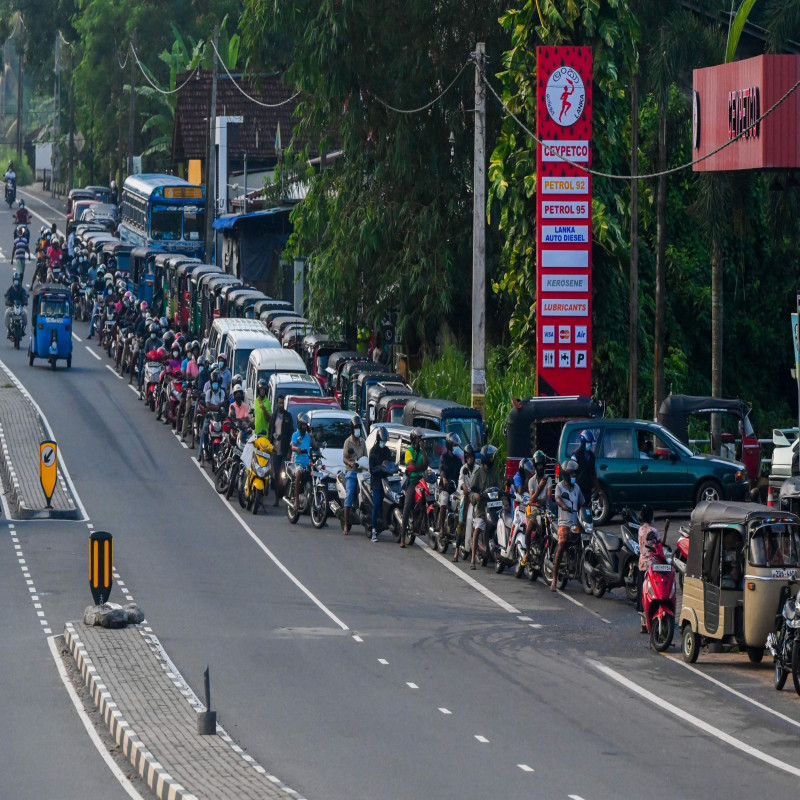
<point x="26" y="574"/>
<point x="91" y="352"/>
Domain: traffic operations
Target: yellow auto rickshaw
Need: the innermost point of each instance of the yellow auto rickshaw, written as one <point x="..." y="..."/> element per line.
<point x="740" y="557"/>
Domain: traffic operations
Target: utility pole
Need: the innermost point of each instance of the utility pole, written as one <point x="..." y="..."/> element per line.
<point x="56" y="114"/>
<point x="132" y="107"/>
<point x="478" y="380"/>
<point x="211" y="166"/>
<point x="71" y="176"/>
<point x="19" y="101"/>
<point x="633" y="315"/>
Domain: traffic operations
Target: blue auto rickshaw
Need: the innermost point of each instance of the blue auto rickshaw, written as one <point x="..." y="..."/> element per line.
<point x="51" y="324"/>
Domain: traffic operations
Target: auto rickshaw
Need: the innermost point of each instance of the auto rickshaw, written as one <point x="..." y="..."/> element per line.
<point x="51" y="324"/>
<point x="741" y="555"/>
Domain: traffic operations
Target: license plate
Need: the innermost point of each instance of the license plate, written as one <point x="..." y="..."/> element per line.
<point x="661" y="567"/>
<point x="784" y="573"/>
<point x="494" y="504"/>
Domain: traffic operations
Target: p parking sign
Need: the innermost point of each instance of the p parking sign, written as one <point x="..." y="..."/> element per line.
<point x="48" y="468"/>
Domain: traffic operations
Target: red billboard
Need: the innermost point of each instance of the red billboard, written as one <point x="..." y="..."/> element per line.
<point x="564" y="221"/>
<point x="727" y="102"/>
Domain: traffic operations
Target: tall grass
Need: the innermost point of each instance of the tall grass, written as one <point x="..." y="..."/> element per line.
<point x="22" y="168"/>
<point x="448" y="377"/>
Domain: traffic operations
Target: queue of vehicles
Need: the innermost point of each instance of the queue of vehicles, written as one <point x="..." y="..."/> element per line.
<point x="752" y="606"/>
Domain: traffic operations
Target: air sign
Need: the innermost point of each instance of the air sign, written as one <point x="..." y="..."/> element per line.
<point x="564" y="221"/>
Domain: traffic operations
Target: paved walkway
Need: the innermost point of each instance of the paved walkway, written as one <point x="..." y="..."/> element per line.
<point x="21" y="432"/>
<point x="152" y="714"/>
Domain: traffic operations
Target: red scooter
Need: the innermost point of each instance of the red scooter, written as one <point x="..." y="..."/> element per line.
<point x="658" y="596"/>
<point x="154" y="366"/>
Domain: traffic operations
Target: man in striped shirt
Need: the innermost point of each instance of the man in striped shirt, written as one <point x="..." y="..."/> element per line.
<point x="21" y="253"/>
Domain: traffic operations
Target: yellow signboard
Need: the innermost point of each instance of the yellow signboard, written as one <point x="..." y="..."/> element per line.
<point x="183" y="192"/>
<point x="48" y="468"/>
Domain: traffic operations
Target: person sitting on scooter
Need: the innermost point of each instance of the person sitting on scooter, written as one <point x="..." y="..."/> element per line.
<point x="540" y="486"/>
<point x="225" y="376"/>
<point x="22" y="216"/>
<point x="645" y="555"/>
<point x="464" y="482"/>
<point x="239" y="410"/>
<point x="354" y="448"/>
<point x="449" y="467"/>
<point x="302" y="442"/>
<point x="377" y="458"/>
<point x="416" y="461"/>
<point x="569" y="499"/>
<point x="485" y="477"/>
<point x="16" y="294"/>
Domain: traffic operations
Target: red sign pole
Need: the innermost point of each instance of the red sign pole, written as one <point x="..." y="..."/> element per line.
<point x="564" y="222"/>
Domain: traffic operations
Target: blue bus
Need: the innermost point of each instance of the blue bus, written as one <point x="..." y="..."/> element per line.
<point x="164" y="213"/>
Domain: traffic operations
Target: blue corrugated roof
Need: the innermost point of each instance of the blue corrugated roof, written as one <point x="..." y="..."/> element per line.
<point x="228" y="221"/>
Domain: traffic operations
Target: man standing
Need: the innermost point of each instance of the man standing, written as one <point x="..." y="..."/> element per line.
<point x="263" y="412"/>
<point x="354" y="448"/>
<point x="281" y="427"/>
<point x="485" y="477"/>
<point x="586" y="474"/>
<point x="22" y="252"/>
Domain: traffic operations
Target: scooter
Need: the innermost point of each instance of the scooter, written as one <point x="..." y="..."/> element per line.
<point x="571" y="566"/>
<point x="441" y="538"/>
<point x="484" y="537"/>
<point x="510" y="536"/>
<point x="356" y="513"/>
<point x="11" y="192"/>
<point x="658" y="596"/>
<point x="392" y="492"/>
<point x="253" y="477"/>
<point x="226" y="479"/>
<point x="294" y="508"/>
<point x="680" y="554"/>
<point x="153" y="369"/>
<point x="610" y="561"/>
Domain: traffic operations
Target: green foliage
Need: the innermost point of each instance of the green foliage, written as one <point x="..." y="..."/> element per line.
<point x="22" y="168"/>
<point x="507" y="377"/>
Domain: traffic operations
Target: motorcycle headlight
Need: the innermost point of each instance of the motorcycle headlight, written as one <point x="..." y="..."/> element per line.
<point x="261" y="471"/>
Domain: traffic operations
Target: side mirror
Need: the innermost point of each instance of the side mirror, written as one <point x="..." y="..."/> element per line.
<point x="779" y="438"/>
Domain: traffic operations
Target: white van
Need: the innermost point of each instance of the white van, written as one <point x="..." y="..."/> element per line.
<point x="220" y="329"/>
<point x="263" y="363"/>
<point x="240" y="344"/>
<point x="283" y="383"/>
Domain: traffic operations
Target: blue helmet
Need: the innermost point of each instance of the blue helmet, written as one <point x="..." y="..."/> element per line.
<point x="587" y="436"/>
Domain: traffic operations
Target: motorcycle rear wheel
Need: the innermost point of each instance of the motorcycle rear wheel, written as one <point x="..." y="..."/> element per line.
<point x="241" y="487"/>
<point x="222" y="480"/>
<point x="661" y="633"/>
<point x="319" y="508"/>
<point x="442" y="542"/>
<point x="779" y="679"/>
<point x="257" y="497"/>
<point x="598" y="587"/>
<point x="291" y="511"/>
<point x="587" y="582"/>
<point x="233" y="480"/>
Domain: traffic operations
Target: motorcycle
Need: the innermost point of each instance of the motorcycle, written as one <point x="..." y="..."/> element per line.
<point x="510" y="534"/>
<point x="440" y="539"/>
<point x="610" y="561"/>
<point x="658" y="596"/>
<point x="106" y="337"/>
<point x="571" y="566"/>
<point x="784" y="644"/>
<point x="301" y="505"/>
<point x="226" y="479"/>
<point x="252" y="481"/>
<point x="218" y="429"/>
<point x="680" y="555"/>
<point x="484" y="543"/>
<point x="11" y="192"/>
<point x="151" y="380"/>
<point x="171" y="391"/>
<point x="392" y="492"/>
<point x="16" y="329"/>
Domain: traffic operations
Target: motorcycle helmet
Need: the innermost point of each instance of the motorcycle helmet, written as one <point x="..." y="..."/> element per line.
<point x="382" y="436"/>
<point x="223" y="358"/>
<point x="526" y="465"/>
<point x="262" y="384"/>
<point x="22" y="204"/>
<point x="195" y="346"/>
<point x="587" y="436"/>
<point x="487" y="454"/>
<point x="169" y="338"/>
<point x="163" y="323"/>
<point x="180" y="340"/>
<point x="176" y="351"/>
<point x="215" y="375"/>
<point x="188" y="348"/>
<point x="237" y="378"/>
<point x="539" y="457"/>
<point x="569" y="466"/>
<point x="302" y="422"/>
<point x="416" y="434"/>
<point x="469" y="450"/>
<point x="143" y="306"/>
<point x="237" y="387"/>
<point x="161" y="353"/>
<point x="154" y="329"/>
<point x="453" y="440"/>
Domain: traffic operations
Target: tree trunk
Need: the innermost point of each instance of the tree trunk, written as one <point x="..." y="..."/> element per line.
<point x="716" y="341"/>
<point x="633" y="315"/>
<point x="661" y="259"/>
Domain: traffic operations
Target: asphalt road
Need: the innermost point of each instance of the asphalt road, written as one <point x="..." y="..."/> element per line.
<point x="360" y="670"/>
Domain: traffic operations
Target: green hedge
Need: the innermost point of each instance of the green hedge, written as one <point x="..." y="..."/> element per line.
<point x="22" y="168"/>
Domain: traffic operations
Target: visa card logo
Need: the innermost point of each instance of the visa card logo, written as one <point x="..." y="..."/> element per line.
<point x="548" y="334"/>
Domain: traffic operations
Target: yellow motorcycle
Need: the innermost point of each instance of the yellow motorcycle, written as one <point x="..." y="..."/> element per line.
<point x="253" y="477"/>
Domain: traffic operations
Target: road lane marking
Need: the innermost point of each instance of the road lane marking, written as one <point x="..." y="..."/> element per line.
<point x="693" y="720"/>
<point x="411" y="685"/>
<point x="525" y="619"/>
<point x="46" y="205"/>
<point x="734" y="692"/>
<point x="445" y="711"/>
<point x="357" y="638"/>
<point x="89" y="726"/>
<point x="76" y="337"/>
<point x="468" y="579"/>
<point x="481" y="739"/>
<point x="91" y="352"/>
<point x="133" y="389"/>
<point x="113" y="372"/>
<point x="574" y="797"/>
<point x="49" y="431"/>
<point x="525" y="768"/>
<point x="275" y="560"/>
<point x="383" y="661"/>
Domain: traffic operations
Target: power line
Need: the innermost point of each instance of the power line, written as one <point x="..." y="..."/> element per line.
<point x="152" y="83"/>
<point x="249" y="97"/>
<point x="648" y="175"/>
<point x="427" y="105"/>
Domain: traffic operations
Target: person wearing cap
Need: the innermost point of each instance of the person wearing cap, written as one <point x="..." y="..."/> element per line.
<point x="569" y="499"/>
<point x="239" y="410"/>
